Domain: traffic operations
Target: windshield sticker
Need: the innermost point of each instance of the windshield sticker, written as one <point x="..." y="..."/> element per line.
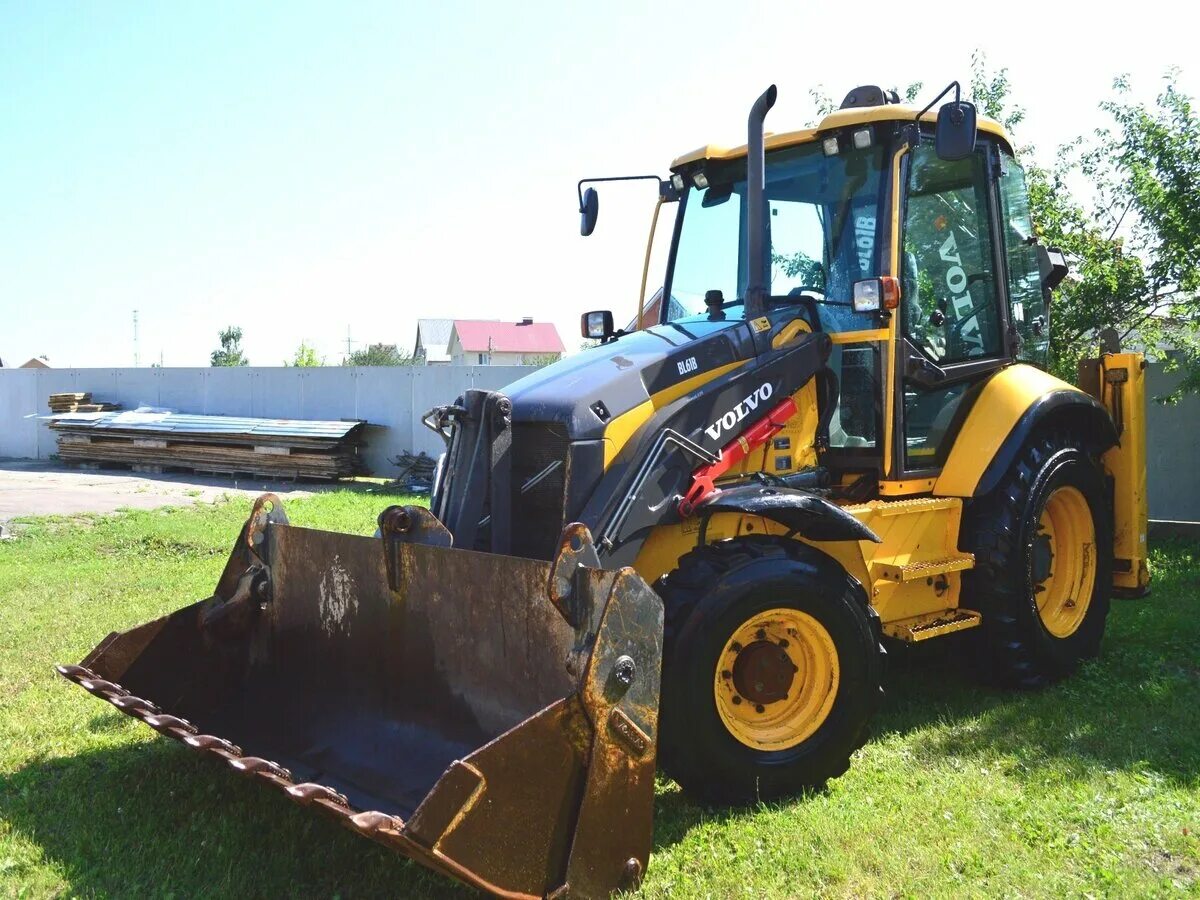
<point x="956" y="283"/>
<point x="864" y="242"/>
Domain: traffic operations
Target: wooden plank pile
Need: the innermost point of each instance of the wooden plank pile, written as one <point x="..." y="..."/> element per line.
<point x="78" y="402"/>
<point x="416" y="472"/>
<point x="159" y="442"/>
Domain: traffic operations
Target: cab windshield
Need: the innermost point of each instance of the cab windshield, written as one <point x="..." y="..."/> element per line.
<point x="824" y="217"/>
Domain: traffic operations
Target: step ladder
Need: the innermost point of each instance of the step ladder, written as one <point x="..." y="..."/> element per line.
<point x="924" y="568"/>
<point x="935" y="624"/>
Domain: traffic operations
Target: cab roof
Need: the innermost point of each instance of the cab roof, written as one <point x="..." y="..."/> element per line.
<point x="842" y="118"/>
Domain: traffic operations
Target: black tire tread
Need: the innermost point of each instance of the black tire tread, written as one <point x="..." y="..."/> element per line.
<point x="992" y="531"/>
<point x="683" y="589"/>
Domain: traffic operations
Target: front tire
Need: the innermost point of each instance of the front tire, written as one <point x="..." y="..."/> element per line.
<point x="1043" y="564"/>
<point x="772" y="668"/>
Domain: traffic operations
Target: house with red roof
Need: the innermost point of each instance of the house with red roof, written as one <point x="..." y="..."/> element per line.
<point x="480" y="342"/>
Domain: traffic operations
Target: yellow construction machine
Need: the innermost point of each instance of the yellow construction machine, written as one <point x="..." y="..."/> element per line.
<point x="831" y="430"/>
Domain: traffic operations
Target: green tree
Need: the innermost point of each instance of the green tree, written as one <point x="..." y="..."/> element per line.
<point x="230" y="352"/>
<point x="379" y="355"/>
<point x="305" y="357"/>
<point x="1134" y="247"/>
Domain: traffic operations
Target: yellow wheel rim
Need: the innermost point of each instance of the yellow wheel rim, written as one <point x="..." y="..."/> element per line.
<point x="776" y="679"/>
<point x="1064" y="561"/>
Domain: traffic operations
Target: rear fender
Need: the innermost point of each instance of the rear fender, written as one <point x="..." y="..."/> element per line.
<point x="804" y="513"/>
<point x="1013" y="404"/>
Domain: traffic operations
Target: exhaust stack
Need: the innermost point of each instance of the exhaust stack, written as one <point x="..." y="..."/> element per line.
<point x="759" y="287"/>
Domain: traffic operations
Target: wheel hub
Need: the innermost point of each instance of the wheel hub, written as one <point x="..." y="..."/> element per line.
<point x="1043" y="558"/>
<point x="763" y="672"/>
<point x="776" y="679"/>
<point x="1063" y="561"/>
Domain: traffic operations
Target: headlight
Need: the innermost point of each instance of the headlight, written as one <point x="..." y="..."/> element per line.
<point x="874" y="294"/>
<point x="867" y="295"/>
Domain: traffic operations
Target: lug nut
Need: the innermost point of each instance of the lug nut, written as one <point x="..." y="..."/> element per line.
<point x="737" y="699"/>
<point x="726" y="674"/>
<point x="758" y="708"/>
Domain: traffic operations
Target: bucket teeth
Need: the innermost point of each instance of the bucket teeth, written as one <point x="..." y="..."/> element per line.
<point x="74" y="673"/>
<point x="130" y="703"/>
<point x="308" y="792"/>
<point x="372" y="823"/>
<point x="256" y="765"/>
<point x="168" y="724"/>
<point x="213" y="743"/>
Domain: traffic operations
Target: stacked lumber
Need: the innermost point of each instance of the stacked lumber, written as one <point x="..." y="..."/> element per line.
<point x="416" y="472"/>
<point x="78" y="402"/>
<point x="225" y="445"/>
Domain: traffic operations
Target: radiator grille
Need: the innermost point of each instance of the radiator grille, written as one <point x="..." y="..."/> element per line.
<point x="538" y="512"/>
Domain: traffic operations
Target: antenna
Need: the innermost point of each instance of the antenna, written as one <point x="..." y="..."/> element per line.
<point x="135" y="339"/>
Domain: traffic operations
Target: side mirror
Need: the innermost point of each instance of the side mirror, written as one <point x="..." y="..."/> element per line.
<point x="596" y="326"/>
<point x="954" y="137"/>
<point x="1052" y="266"/>
<point x="588" y="212"/>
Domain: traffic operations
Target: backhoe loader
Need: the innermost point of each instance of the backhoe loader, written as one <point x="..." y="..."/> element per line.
<point x="831" y="430"/>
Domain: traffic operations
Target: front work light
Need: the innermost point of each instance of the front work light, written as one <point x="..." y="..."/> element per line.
<point x="874" y="294"/>
<point x="597" y="325"/>
<point x="677" y="181"/>
<point x="830" y="145"/>
<point x="701" y="180"/>
<point x="862" y="139"/>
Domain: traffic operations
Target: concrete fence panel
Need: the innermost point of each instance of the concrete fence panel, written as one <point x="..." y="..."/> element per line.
<point x="393" y="399"/>
<point x="1172" y="450"/>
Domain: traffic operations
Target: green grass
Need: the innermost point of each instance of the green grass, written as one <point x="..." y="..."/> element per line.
<point x="1091" y="788"/>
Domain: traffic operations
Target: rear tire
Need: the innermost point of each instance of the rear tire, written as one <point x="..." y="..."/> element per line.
<point x="1043" y="555"/>
<point x="772" y="668"/>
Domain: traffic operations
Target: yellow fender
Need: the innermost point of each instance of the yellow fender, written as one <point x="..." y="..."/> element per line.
<point x="1010" y="405"/>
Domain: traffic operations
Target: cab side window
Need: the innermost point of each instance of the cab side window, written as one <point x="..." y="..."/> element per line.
<point x="950" y="306"/>
<point x="1027" y="303"/>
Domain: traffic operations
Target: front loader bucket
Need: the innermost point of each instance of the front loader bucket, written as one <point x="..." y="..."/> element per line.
<point x="491" y="717"/>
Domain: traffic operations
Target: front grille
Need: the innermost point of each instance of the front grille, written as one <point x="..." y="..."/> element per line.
<point x="538" y="512"/>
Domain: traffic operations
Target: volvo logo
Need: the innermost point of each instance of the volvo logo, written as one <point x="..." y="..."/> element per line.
<point x="727" y="422"/>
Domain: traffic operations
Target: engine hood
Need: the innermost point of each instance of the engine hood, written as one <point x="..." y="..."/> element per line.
<point x="589" y="389"/>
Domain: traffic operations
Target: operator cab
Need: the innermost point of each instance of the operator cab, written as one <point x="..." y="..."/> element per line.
<point x="904" y="236"/>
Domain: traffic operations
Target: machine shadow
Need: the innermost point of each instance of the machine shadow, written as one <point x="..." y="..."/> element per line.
<point x="150" y="819"/>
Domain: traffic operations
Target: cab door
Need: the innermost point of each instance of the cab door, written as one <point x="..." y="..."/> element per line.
<point x="953" y="316"/>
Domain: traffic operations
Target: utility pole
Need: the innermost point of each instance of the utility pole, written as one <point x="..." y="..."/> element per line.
<point x="348" y="342"/>
<point x="135" y="339"/>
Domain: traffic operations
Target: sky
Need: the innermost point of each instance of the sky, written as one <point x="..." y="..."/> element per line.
<point x="321" y="172"/>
